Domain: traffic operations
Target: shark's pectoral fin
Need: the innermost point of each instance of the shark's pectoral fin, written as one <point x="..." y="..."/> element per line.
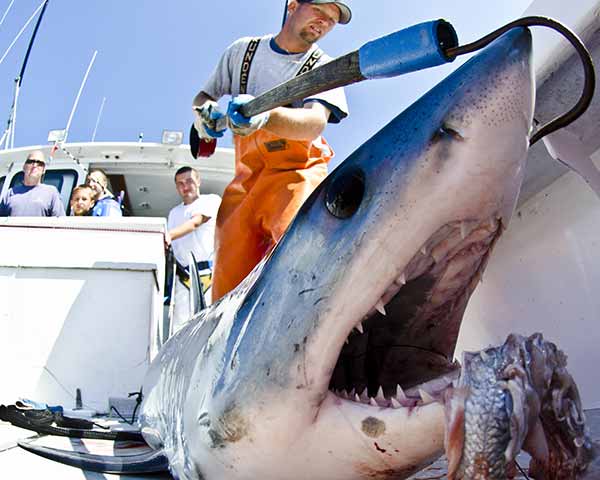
<point x="151" y="462"/>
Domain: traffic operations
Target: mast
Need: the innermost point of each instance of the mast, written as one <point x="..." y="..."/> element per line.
<point x="9" y="134"/>
<point x="83" y="82"/>
<point x="98" y="119"/>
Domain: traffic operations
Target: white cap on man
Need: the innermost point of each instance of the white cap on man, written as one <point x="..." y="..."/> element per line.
<point x="345" y="12"/>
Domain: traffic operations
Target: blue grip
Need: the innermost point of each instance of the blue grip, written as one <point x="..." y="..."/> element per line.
<point x="414" y="48"/>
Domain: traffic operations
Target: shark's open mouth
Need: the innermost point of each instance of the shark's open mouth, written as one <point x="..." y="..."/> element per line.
<point x="401" y="353"/>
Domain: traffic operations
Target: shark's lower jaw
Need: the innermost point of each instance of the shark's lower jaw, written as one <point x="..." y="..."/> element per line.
<point x="400" y="355"/>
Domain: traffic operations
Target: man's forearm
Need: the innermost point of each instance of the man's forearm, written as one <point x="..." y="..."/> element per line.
<point x="187" y="227"/>
<point x="298" y="123"/>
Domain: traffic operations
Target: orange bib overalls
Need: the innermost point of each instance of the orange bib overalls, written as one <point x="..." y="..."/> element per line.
<point x="273" y="178"/>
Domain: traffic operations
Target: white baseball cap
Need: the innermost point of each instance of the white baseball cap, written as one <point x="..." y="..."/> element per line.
<point x="345" y="12"/>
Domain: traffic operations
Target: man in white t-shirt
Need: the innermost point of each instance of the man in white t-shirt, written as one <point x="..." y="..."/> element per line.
<point x="192" y="223"/>
<point x="281" y="156"/>
<point x="191" y="229"/>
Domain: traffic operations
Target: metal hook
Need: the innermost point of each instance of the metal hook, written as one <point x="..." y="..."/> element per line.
<point x="586" y="59"/>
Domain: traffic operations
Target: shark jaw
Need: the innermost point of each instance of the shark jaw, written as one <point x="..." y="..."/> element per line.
<point x="400" y="354"/>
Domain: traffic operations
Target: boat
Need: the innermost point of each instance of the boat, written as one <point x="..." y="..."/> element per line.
<point x="86" y="341"/>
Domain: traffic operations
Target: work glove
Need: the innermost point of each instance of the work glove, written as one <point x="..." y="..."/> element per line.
<point x="238" y="123"/>
<point x="205" y="120"/>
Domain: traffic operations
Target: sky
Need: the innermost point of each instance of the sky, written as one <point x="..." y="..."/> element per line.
<point x="154" y="56"/>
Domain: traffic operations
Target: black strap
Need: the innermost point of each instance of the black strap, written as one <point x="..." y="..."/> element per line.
<point x="310" y="63"/>
<point x="247" y="63"/>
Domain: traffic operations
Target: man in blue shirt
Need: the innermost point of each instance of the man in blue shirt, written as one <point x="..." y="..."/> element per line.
<point x="32" y="198"/>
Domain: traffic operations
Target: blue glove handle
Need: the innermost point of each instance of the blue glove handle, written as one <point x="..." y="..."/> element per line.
<point x="214" y="133"/>
<point x="235" y="116"/>
<point x="214" y="115"/>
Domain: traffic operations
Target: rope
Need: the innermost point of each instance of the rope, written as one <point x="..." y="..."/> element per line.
<point x="61" y="147"/>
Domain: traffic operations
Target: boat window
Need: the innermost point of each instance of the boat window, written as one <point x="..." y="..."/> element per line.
<point x="63" y="180"/>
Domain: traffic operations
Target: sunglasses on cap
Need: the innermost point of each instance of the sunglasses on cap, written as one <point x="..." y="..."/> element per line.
<point x="37" y="163"/>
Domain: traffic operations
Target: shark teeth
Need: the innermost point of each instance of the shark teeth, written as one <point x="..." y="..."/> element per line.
<point x="380" y="397"/>
<point x="424" y="394"/>
<point x="426" y="397"/>
<point x="400" y="394"/>
<point x="359" y="327"/>
<point x="364" y="396"/>
<point x="380" y="307"/>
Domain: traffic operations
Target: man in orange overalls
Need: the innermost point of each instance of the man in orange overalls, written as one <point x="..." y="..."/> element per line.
<point x="280" y="156"/>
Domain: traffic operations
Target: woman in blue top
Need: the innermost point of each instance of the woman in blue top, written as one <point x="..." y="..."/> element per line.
<point x="106" y="205"/>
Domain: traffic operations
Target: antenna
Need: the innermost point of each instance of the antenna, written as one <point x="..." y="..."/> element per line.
<point x="21" y="31"/>
<point x="85" y="77"/>
<point x="98" y="119"/>
<point x="9" y="133"/>
<point x="6" y="12"/>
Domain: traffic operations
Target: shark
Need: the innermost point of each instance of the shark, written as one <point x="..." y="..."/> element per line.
<point x="333" y="358"/>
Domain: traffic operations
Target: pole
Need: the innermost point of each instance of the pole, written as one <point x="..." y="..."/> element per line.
<point x="98" y="119"/>
<point x="6" y="12"/>
<point x="85" y="77"/>
<point x="7" y="132"/>
<point x="35" y="30"/>
<point x="10" y="129"/>
<point x="21" y="32"/>
<point x="14" y="119"/>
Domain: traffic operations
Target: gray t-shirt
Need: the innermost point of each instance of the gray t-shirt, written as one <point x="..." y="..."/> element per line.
<point x="269" y="68"/>
<point x="37" y="201"/>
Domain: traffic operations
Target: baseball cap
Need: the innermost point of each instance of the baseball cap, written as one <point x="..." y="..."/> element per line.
<point x="345" y="12"/>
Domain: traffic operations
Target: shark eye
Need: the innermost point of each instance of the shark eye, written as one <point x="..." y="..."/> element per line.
<point x="345" y="193"/>
<point x="446" y="130"/>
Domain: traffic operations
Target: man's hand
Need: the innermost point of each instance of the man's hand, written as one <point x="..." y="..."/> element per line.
<point x="241" y="125"/>
<point x="167" y="240"/>
<point x="205" y="120"/>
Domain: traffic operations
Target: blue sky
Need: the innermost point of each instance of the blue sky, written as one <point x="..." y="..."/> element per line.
<point x="154" y="55"/>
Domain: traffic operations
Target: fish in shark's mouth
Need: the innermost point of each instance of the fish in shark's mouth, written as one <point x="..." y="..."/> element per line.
<point x="516" y="396"/>
<point x="333" y="358"/>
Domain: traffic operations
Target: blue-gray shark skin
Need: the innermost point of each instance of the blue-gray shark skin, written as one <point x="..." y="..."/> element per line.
<point x="276" y="380"/>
